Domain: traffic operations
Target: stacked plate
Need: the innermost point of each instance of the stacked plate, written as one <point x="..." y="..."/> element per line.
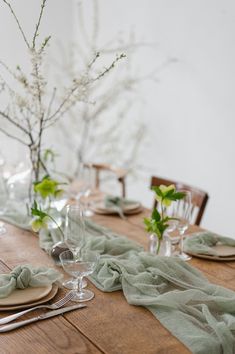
<point x="28" y="297"/>
<point x="223" y="253"/>
<point x="129" y="209"/>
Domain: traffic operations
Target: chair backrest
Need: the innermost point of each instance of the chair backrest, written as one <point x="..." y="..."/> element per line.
<point x="118" y="172"/>
<point x="199" y="197"/>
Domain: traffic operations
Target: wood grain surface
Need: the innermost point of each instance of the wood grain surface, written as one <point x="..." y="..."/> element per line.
<point x="109" y="324"/>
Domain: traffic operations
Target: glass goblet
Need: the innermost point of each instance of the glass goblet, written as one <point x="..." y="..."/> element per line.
<point x="74" y="234"/>
<point x="80" y="265"/>
<point x="183" y="215"/>
<point x="3" y="205"/>
<point x="74" y="231"/>
<point x="85" y="177"/>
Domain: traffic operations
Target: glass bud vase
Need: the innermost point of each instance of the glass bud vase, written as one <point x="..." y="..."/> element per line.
<point x="160" y="247"/>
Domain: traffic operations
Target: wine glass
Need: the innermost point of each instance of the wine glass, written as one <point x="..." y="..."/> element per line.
<point x="79" y="265"/>
<point x="74" y="233"/>
<point x="3" y="203"/>
<point x="85" y="177"/>
<point x="182" y="211"/>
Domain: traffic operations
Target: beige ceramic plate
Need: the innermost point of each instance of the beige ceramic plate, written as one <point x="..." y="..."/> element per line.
<point x="111" y="212"/>
<point x="212" y="258"/>
<point x="33" y="302"/>
<point x="99" y="208"/>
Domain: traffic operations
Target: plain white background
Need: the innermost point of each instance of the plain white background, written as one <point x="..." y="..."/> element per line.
<point x="189" y="112"/>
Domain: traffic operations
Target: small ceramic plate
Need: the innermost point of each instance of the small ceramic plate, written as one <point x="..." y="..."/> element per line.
<point x="31" y="299"/>
<point x="224" y="253"/>
<point x="99" y="208"/>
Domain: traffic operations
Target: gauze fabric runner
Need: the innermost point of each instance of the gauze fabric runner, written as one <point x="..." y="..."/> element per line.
<point x="25" y="276"/>
<point x="200" y="314"/>
<point x="203" y="242"/>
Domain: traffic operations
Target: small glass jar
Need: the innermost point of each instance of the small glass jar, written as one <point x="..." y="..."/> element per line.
<point x="160" y="247"/>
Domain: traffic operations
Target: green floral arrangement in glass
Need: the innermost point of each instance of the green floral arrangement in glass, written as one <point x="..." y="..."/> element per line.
<point x="158" y="222"/>
<point x="48" y="189"/>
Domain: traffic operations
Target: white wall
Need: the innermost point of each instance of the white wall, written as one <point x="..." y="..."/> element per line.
<point x="190" y="111"/>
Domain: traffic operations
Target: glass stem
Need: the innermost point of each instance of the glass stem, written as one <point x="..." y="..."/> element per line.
<point x="181" y="242"/>
<point x="79" y="288"/>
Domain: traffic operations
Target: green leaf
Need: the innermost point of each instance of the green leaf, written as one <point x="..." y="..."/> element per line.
<point x="178" y="195"/>
<point x="49" y="154"/>
<point x="169" y="193"/>
<point x="35" y="211"/>
<point x="158" y="191"/>
<point x="156" y="215"/>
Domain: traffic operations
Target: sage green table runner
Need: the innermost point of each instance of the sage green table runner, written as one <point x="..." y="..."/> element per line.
<point x="200" y="314"/>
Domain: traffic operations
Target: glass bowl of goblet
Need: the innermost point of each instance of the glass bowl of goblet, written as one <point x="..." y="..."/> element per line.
<point x="79" y="265"/>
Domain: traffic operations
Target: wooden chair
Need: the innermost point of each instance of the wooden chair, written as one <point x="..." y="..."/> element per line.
<point x="199" y="197"/>
<point x="118" y="172"/>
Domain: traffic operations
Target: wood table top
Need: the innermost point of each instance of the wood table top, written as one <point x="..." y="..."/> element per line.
<point x="109" y="324"/>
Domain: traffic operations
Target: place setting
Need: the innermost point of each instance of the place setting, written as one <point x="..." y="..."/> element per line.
<point x="207" y="245"/>
<point x="31" y="288"/>
<point x="113" y="205"/>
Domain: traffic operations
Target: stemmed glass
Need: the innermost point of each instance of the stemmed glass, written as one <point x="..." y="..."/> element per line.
<point x="85" y="178"/>
<point x="74" y="233"/>
<point x="3" y="196"/>
<point x="182" y="211"/>
<point x="79" y="265"/>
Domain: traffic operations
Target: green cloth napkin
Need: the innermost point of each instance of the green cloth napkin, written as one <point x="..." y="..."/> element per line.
<point x="202" y="243"/>
<point x="25" y="276"/>
<point x="117" y="204"/>
<point x="200" y="314"/>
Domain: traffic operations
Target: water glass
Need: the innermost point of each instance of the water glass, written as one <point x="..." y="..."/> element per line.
<point x="182" y="211"/>
<point x="3" y="204"/>
<point x="85" y="178"/>
<point x="74" y="231"/>
<point x="74" y="234"/>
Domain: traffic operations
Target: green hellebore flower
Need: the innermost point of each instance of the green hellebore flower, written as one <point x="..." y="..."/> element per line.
<point x="165" y="190"/>
<point x="46" y="187"/>
<point x="38" y="224"/>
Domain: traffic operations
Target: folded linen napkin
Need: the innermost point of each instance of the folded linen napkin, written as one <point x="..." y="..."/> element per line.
<point x="203" y="242"/>
<point x="25" y="276"/>
<point x="117" y="204"/>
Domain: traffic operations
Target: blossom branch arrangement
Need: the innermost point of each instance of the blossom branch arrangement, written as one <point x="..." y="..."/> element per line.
<point x="159" y="221"/>
<point x="30" y="107"/>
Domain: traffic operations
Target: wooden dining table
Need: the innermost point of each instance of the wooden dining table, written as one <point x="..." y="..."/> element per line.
<point x="108" y="324"/>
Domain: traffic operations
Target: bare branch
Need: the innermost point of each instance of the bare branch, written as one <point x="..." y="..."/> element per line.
<point x="93" y="60"/>
<point x="13" y="137"/>
<point x="106" y="70"/>
<point x="38" y="24"/>
<point x="18" y="23"/>
<point x="51" y="103"/>
<point x="11" y="120"/>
